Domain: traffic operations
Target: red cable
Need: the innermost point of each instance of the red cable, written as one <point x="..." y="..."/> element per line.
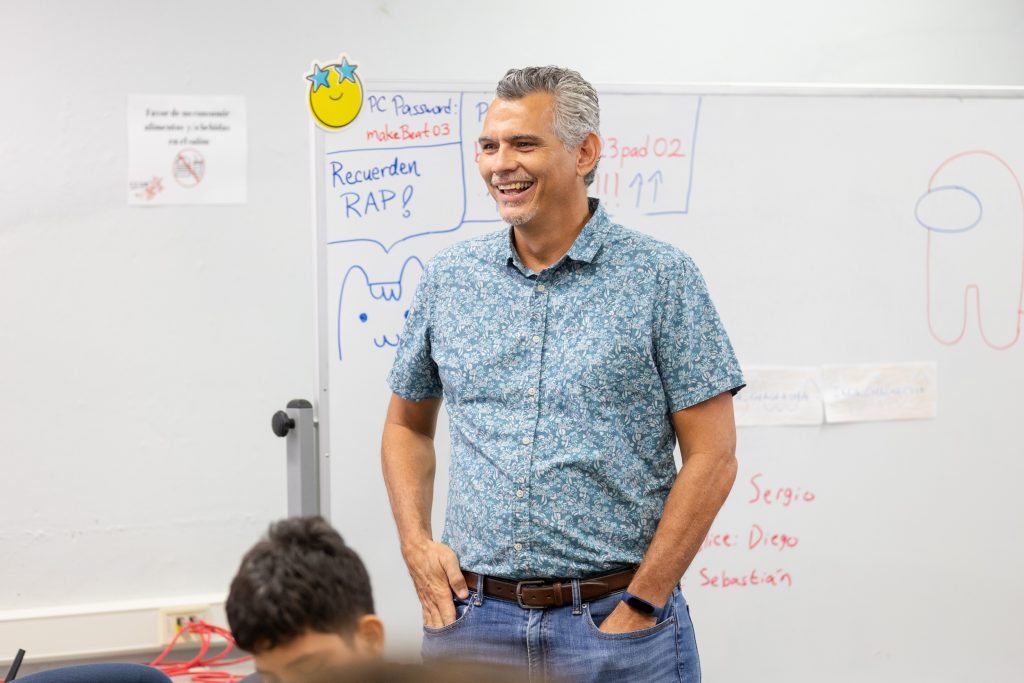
<point x="205" y="632"/>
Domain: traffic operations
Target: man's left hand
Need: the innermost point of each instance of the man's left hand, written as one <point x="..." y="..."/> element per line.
<point x="624" y="619"/>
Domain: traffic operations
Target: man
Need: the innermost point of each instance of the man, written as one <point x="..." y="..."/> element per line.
<point x="301" y="602"/>
<point x="572" y="353"/>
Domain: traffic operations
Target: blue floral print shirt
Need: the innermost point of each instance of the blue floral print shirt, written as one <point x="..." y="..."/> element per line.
<point x="559" y="387"/>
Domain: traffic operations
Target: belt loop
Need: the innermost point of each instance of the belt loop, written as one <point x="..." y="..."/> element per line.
<point x="479" y="590"/>
<point x="577" y="607"/>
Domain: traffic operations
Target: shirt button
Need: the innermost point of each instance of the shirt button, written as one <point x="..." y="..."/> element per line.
<point x="541" y="288"/>
<point x="536" y="338"/>
<point x="518" y="546"/>
<point x="526" y="441"/>
<point x="531" y="391"/>
<point x="520" y="493"/>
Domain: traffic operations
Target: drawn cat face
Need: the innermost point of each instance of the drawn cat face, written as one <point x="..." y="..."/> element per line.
<point x="370" y="317"/>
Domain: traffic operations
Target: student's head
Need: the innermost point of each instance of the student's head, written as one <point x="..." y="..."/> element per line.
<point x="301" y="601"/>
<point x="540" y="142"/>
<point x="433" y="672"/>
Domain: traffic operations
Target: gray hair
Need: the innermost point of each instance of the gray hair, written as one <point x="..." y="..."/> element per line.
<point x="577" y="112"/>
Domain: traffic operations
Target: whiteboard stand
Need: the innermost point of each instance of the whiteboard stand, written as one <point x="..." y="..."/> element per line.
<point x="298" y="425"/>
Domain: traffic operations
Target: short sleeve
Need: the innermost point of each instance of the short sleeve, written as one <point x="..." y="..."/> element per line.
<point x="692" y="350"/>
<point x="414" y="374"/>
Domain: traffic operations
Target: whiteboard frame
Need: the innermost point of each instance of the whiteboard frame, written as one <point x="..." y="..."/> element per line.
<point x="321" y="400"/>
<point x="765" y="89"/>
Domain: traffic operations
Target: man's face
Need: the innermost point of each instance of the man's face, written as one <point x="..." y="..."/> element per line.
<point x="314" y="651"/>
<point x="526" y="167"/>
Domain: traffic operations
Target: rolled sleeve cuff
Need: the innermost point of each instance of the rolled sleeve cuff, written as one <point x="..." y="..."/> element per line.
<point x="411" y="392"/>
<point x="684" y="400"/>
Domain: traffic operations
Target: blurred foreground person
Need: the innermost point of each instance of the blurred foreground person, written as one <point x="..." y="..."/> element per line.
<point x="301" y="603"/>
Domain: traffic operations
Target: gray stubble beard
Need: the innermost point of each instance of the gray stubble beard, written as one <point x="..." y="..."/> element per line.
<point x="521" y="219"/>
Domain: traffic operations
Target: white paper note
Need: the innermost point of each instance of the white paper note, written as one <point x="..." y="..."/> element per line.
<point x="863" y="393"/>
<point x="186" y="150"/>
<point x="779" y="396"/>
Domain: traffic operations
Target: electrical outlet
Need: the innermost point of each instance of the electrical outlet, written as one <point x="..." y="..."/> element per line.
<point x="172" y="619"/>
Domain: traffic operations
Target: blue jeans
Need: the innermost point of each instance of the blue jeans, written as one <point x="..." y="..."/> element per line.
<point x="565" y="644"/>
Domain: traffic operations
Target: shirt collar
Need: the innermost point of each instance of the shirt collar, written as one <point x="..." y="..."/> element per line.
<point x="585" y="248"/>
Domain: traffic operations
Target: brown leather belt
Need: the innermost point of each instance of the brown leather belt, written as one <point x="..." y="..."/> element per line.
<point x="541" y="593"/>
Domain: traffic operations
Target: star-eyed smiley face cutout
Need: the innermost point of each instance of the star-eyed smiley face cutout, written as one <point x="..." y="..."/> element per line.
<point x="335" y="94"/>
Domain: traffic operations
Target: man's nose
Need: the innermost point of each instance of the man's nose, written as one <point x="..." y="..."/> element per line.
<point x="503" y="160"/>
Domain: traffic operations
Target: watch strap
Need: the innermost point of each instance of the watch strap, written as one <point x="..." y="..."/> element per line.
<point x="639" y="604"/>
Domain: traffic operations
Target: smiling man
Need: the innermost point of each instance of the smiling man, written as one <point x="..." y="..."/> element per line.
<point x="572" y="354"/>
<point x="301" y="602"/>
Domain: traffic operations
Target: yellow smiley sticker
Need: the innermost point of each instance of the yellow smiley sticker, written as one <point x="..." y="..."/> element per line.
<point x="335" y="94"/>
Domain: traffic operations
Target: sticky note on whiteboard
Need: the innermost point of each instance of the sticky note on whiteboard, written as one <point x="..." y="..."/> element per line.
<point x="861" y="393"/>
<point x="779" y="396"/>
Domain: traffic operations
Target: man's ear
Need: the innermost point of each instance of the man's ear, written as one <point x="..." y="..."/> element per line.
<point x="370" y="635"/>
<point x="588" y="154"/>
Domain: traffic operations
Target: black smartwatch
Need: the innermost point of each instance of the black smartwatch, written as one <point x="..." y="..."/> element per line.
<point x="639" y="604"/>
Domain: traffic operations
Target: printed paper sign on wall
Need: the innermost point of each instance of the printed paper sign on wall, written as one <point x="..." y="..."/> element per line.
<point x="186" y="150"/>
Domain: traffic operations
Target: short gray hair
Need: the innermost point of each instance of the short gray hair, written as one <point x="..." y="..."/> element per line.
<point x="577" y="112"/>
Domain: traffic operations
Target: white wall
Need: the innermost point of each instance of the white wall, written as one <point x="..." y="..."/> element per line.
<point x="142" y="352"/>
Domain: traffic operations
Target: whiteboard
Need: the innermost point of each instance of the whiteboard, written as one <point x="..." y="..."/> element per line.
<point x="832" y="229"/>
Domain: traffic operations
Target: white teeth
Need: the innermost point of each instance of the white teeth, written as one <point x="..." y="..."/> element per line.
<point x="514" y="186"/>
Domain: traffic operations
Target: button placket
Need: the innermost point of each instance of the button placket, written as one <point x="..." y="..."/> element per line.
<point x="535" y="337"/>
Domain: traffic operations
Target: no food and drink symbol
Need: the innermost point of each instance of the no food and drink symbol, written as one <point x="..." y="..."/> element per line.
<point x="189" y="167"/>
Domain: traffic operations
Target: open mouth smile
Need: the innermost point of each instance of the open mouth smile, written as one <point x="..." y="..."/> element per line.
<point x="513" y="190"/>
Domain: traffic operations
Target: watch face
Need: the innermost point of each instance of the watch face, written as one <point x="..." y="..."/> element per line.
<point x="640" y="605"/>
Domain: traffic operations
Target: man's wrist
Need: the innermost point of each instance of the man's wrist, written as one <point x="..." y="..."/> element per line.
<point x="415" y="544"/>
<point x="640" y="605"/>
<point x="652" y="586"/>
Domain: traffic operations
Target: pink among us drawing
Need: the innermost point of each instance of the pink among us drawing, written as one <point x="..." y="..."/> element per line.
<point x="973" y="214"/>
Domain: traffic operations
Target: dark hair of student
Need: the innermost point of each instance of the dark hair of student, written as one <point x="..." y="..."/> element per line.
<point x="300" y="577"/>
<point x="433" y="672"/>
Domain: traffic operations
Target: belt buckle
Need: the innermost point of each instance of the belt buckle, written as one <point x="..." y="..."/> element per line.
<point x="519" y="593"/>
